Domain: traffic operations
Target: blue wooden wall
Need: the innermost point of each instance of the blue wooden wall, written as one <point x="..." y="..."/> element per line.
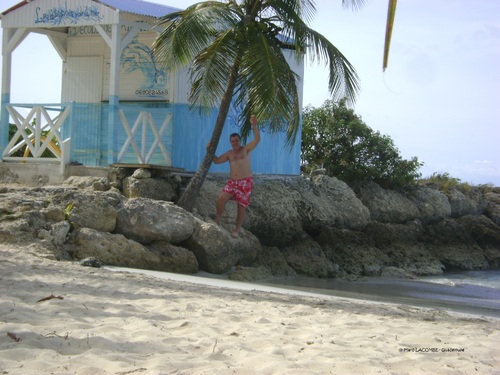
<point x="185" y="140"/>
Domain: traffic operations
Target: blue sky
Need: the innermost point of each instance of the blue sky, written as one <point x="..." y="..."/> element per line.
<point x="437" y="99"/>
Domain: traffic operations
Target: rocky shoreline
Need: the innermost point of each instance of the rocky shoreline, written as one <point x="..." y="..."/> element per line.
<point x="318" y="226"/>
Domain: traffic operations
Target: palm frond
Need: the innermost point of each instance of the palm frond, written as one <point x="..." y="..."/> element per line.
<point x="289" y="10"/>
<point x="211" y="69"/>
<point x="343" y="80"/>
<point x="188" y="32"/>
<point x="267" y="87"/>
<point x="354" y="4"/>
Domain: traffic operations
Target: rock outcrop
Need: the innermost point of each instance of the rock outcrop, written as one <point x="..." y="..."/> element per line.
<point x="319" y="227"/>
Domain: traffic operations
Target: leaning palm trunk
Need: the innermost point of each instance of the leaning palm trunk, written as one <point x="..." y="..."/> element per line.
<point x="188" y="197"/>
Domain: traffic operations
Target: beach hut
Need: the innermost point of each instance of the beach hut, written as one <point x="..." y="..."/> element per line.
<point x="118" y="104"/>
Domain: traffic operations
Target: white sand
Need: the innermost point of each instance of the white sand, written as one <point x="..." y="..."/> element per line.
<point x="129" y="323"/>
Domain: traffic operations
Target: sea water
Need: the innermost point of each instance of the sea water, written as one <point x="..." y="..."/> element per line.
<point x="475" y="292"/>
<point x="471" y="292"/>
<point x="488" y="279"/>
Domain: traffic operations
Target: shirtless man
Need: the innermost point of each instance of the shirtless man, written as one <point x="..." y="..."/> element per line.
<point x="240" y="184"/>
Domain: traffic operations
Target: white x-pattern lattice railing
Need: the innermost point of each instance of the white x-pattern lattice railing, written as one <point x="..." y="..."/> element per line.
<point x="37" y="132"/>
<point x="143" y="154"/>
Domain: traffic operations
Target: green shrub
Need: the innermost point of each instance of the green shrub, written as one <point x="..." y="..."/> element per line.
<point x="445" y="182"/>
<point x="335" y="138"/>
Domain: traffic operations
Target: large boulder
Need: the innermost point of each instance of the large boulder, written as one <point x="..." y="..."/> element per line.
<point x="353" y="251"/>
<point x="274" y="260"/>
<point x="111" y="249"/>
<point x="272" y="215"/>
<point x="147" y="220"/>
<point x="326" y="201"/>
<point x="87" y="183"/>
<point x="217" y="251"/>
<point x="282" y="209"/>
<point x="139" y="186"/>
<point x="89" y="209"/>
<point x="470" y="203"/>
<point x="174" y="258"/>
<point x="387" y="206"/>
<point x="205" y="202"/>
<point x="492" y="209"/>
<point x="433" y="205"/>
<point x="57" y="234"/>
<point x="483" y="231"/>
<point x="25" y="212"/>
<point x="117" y="250"/>
<point x="462" y="244"/>
<point x="307" y="258"/>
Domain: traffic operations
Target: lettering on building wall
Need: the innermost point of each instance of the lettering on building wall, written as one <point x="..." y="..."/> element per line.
<point x="89" y="30"/>
<point x="63" y="16"/>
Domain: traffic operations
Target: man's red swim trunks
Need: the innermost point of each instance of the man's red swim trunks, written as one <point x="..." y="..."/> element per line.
<point x="240" y="190"/>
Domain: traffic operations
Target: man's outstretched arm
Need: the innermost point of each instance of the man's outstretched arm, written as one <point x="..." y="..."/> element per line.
<point x="256" y="134"/>
<point x="219" y="159"/>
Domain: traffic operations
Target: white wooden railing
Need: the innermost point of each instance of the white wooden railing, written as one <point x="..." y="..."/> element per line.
<point x="37" y="132"/>
<point x="142" y="124"/>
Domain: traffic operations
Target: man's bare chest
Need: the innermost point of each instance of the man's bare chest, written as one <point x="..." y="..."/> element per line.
<point x="238" y="156"/>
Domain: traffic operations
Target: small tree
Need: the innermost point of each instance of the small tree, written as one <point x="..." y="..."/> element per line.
<point x="335" y="138"/>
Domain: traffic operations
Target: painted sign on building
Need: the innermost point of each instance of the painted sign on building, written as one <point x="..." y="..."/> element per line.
<point x="142" y="76"/>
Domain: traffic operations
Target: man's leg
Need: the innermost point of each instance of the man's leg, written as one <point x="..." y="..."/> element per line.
<point x="220" y="204"/>
<point x="240" y="216"/>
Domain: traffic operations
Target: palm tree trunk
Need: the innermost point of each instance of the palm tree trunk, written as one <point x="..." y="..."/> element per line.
<point x="188" y="197"/>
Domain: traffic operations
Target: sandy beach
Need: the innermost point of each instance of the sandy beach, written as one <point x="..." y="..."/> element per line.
<point x="62" y="318"/>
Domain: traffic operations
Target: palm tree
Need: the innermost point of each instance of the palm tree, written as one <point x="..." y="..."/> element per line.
<point x="235" y="52"/>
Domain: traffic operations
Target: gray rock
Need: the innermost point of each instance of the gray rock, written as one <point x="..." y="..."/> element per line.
<point x="353" y="251"/>
<point x="492" y="209"/>
<point x="87" y="182"/>
<point x="91" y="262"/>
<point x="465" y="204"/>
<point x="111" y="249"/>
<point x="211" y="246"/>
<point x="96" y="210"/>
<point x="387" y="206"/>
<point x="282" y="209"/>
<point x="459" y="257"/>
<point x="330" y="202"/>
<point x="116" y="176"/>
<point x="143" y="187"/>
<point x="217" y="251"/>
<point x="141" y="173"/>
<point x="307" y="258"/>
<point x="54" y="214"/>
<point x="174" y="258"/>
<point x="272" y="215"/>
<point x="205" y="202"/>
<point x="433" y="205"/>
<point x="117" y="250"/>
<point x="468" y="243"/>
<point x="396" y="273"/>
<point x="483" y="231"/>
<point x="147" y="220"/>
<point x="385" y="234"/>
<point x="59" y="232"/>
<point x="274" y="260"/>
